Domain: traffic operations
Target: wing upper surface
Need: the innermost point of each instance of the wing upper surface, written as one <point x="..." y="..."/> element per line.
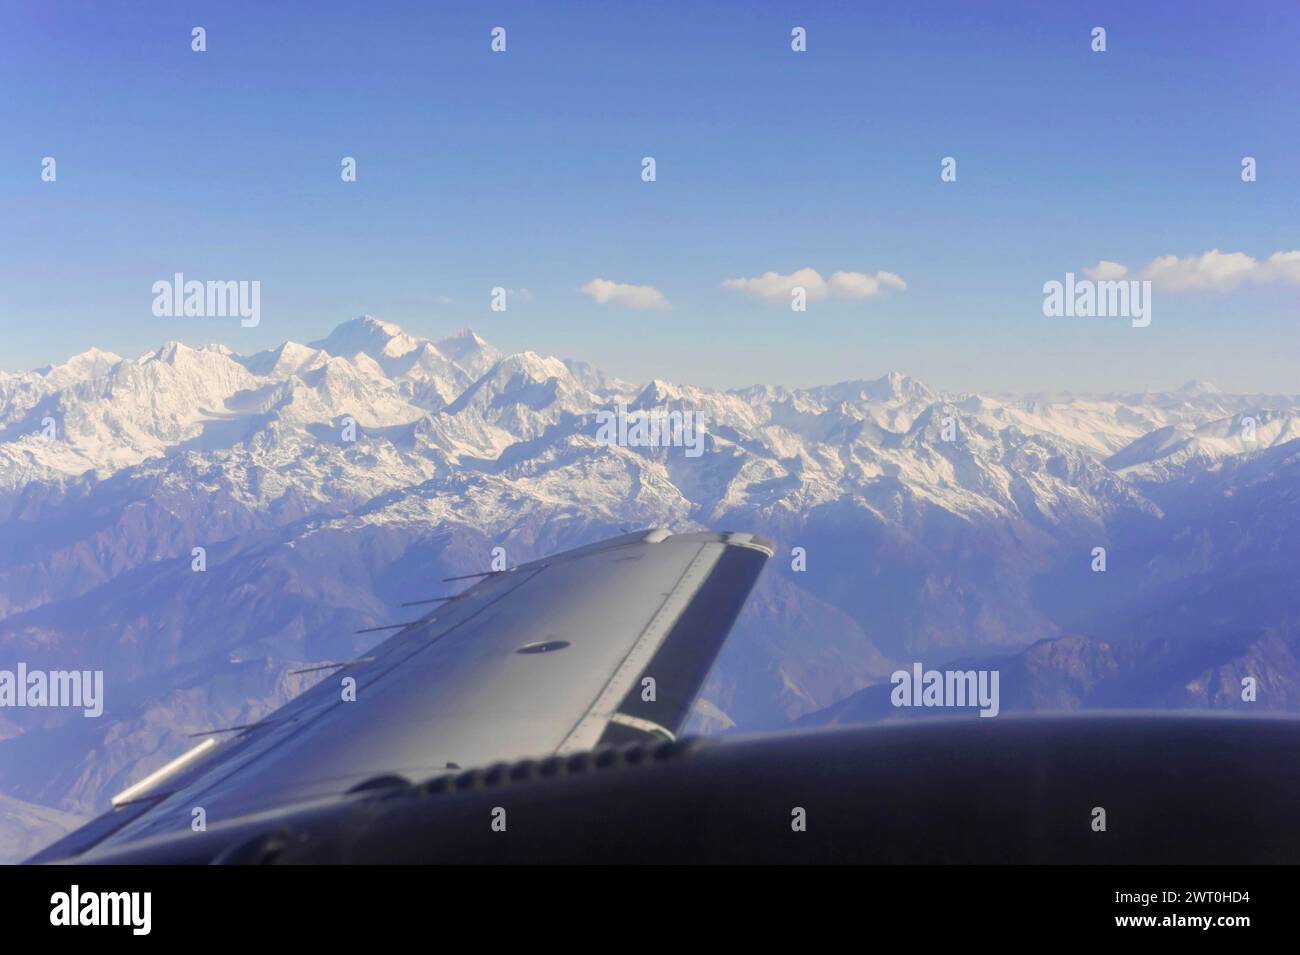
<point x="592" y="645"/>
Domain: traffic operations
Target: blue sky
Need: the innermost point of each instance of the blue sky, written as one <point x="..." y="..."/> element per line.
<point x="522" y="170"/>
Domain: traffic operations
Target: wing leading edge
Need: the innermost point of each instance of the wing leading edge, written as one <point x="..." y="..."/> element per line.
<point x="603" y="644"/>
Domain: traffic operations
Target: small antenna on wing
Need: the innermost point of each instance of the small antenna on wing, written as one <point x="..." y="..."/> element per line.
<point x="431" y="600"/>
<point x="492" y="573"/>
<point x="233" y="729"/>
<point x="390" y="626"/>
<point x="486" y="573"/>
<point x="333" y="666"/>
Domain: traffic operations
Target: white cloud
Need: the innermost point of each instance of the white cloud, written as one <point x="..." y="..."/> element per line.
<point x="632" y="296"/>
<point x="1210" y="271"/>
<point x="861" y="285"/>
<point x="776" y="287"/>
<point x="1281" y="267"/>
<point x="1105" y="271"/>
<point x="1220" y="271"/>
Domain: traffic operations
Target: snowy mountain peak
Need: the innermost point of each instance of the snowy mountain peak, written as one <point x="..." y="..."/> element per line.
<point x="469" y="351"/>
<point x="1198" y="387"/>
<point x="93" y="355"/>
<point x="524" y="368"/>
<point x="288" y="359"/>
<point x="657" y="392"/>
<point x="890" y="389"/>
<point x="895" y="385"/>
<point x="467" y="336"/>
<point x="525" y="380"/>
<point x="368" y="335"/>
<point x="90" y="363"/>
<point x="168" y="351"/>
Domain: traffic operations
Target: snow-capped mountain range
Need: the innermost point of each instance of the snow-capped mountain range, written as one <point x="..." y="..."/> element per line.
<point x="330" y="481"/>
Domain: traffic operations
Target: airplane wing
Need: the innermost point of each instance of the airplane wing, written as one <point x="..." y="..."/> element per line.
<point x="604" y="644"/>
